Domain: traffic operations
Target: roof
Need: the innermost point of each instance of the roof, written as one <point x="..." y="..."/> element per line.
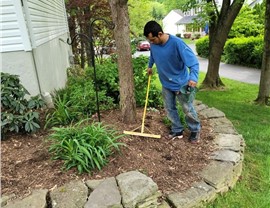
<point x="186" y="20"/>
<point x="254" y="2"/>
<point x="178" y="11"/>
<point x="173" y="16"/>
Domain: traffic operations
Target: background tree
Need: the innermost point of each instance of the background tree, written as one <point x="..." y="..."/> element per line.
<point x="220" y="23"/>
<point x="260" y="11"/>
<point x="158" y="11"/>
<point x="264" y="88"/>
<point x="122" y="40"/>
<point x="248" y="23"/>
<point x="80" y="14"/>
<point x="172" y="4"/>
<point x="138" y="11"/>
<point x="141" y="12"/>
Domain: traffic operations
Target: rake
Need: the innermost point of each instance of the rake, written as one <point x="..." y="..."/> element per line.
<point x="133" y="132"/>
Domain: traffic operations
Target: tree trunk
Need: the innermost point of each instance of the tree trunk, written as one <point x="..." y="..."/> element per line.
<point x="88" y="49"/>
<point x="264" y="88"/>
<point x="72" y="30"/>
<point x="219" y="28"/>
<point x="82" y="51"/>
<point x="212" y="79"/>
<point x="120" y="18"/>
<point x="86" y="29"/>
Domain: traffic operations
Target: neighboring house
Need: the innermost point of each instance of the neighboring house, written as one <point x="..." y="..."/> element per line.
<point x="182" y="24"/>
<point x="169" y="22"/>
<point x="178" y="22"/>
<point x="33" y="36"/>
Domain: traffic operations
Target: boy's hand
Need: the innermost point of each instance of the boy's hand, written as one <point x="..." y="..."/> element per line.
<point x="192" y="83"/>
<point x="149" y="71"/>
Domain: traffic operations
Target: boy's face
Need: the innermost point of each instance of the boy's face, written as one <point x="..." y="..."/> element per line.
<point x="154" y="40"/>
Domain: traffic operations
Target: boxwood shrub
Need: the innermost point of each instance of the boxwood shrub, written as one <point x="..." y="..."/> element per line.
<point x="202" y="47"/>
<point x="244" y="51"/>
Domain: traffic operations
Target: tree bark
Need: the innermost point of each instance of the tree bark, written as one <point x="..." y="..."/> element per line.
<point x="82" y="51"/>
<point x="72" y="30"/>
<point x="219" y="28"/>
<point x="264" y="88"/>
<point x="120" y="18"/>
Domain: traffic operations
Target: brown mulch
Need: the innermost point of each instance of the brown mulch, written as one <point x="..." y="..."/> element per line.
<point x="173" y="164"/>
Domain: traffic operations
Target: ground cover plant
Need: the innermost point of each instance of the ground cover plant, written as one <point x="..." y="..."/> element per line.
<point x="67" y="109"/>
<point x="253" y="122"/>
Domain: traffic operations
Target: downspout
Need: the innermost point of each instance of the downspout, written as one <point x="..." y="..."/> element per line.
<point x="31" y="43"/>
<point x="46" y="96"/>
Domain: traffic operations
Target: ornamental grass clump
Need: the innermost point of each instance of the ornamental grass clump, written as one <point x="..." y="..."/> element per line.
<point x="86" y="147"/>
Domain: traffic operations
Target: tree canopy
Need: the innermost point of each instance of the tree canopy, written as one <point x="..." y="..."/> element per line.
<point x="141" y="12"/>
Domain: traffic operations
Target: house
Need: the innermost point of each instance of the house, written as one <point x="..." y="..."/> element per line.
<point x="169" y="22"/>
<point x="33" y="44"/>
<point x="178" y="22"/>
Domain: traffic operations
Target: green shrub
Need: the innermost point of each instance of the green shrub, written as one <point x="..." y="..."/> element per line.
<point x="202" y="46"/>
<point x="85" y="147"/>
<point x="140" y="80"/>
<point x="77" y="100"/>
<point x="244" y="51"/>
<point x="107" y="78"/>
<point x="108" y="81"/>
<point x="18" y="113"/>
<point x="82" y="89"/>
<point x="248" y="23"/>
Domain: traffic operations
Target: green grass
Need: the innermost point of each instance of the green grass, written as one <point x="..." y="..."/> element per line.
<point x="253" y="122"/>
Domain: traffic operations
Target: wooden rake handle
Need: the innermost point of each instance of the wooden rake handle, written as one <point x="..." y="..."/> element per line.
<point x="146" y="101"/>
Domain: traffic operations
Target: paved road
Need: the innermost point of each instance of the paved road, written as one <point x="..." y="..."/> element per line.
<point x="239" y="73"/>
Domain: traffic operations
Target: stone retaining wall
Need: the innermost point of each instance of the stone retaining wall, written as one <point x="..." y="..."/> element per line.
<point x="135" y="190"/>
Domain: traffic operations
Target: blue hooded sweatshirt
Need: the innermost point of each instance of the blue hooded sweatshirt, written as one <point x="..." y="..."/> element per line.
<point x="176" y="63"/>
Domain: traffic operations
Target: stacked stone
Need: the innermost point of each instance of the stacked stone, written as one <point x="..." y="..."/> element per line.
<point x="127" y="190"/>
<point x="138" y="190"/>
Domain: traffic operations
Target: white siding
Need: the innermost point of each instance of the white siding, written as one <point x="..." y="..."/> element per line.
<point x="169" y="23"/>
<point x="46" y="20"/>
<point x="13" y="31"/>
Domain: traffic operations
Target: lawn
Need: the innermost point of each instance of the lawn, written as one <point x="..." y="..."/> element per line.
<point x="253" y="122"/>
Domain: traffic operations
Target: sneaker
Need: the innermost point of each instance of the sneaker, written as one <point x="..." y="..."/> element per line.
<point x="176" y="135"/>
<point x="194" y="137"/>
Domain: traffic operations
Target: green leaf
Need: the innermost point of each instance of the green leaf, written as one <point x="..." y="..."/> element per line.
<point x="97" y="163"/>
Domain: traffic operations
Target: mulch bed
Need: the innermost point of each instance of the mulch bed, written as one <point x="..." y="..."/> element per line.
<point x="173" y="164"/>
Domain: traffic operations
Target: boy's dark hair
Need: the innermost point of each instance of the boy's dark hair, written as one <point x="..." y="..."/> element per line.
<point x="152" y="27"/>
